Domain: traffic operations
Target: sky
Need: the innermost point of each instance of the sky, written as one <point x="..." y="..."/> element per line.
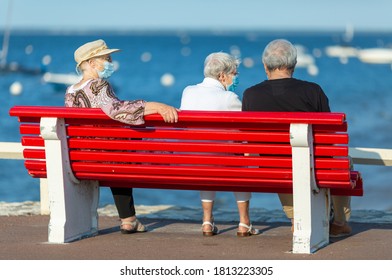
<point x="80" y="15"/>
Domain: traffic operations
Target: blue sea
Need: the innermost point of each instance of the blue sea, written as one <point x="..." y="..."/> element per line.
<point x="363" y="91"/>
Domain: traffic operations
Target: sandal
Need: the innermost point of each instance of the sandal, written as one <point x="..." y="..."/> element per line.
<point x="214" y="230"/>
<point x="249" y="232"/>
<point x="137" y="226"/>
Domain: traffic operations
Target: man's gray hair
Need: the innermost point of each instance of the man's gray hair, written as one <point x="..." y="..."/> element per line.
<point x="220" y="62"/>
<point x="280" y="54"/>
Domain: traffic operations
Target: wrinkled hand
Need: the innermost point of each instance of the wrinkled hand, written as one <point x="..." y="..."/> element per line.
<point x="168" y="113"/>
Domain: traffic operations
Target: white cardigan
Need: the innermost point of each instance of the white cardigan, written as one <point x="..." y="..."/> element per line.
<point x="210" y="95"/>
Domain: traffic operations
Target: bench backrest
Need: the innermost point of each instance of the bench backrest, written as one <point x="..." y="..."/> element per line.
<point x="204" y="150"/>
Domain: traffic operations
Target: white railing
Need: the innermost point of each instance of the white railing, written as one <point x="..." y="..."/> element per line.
<point x="368" y="156"/>
<point x="371" y="156"/>
<point x="10" y="150"/>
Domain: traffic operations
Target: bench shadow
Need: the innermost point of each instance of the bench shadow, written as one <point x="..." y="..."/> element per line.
<point x="358" y="228"/>
<point x="171" y="216"/>
<point x="153" y="224"/>
<point x="108" y="230"/>
<point x="264" y="227"/>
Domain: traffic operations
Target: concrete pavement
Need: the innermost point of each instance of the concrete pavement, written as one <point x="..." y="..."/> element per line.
<point x="24" y="238"/>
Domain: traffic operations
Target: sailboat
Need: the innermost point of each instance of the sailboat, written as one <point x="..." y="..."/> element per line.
<point x="13" y="66"/>
<point x="376" y="55"/>
<point x="306" y="60"/>
<point x="345" y="50"/>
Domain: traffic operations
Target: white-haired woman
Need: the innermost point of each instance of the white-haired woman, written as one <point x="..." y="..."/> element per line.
<point x="216" y="93"/>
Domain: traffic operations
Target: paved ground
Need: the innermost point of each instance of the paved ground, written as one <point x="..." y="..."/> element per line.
<point x="24" y="238"/>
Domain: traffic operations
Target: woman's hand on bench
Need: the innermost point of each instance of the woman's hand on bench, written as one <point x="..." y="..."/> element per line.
<point x="168" y="113"/>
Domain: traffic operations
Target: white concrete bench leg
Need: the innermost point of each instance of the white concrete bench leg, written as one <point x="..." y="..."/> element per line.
<point x="311" y="205"/>
<point x="73" y="203"/>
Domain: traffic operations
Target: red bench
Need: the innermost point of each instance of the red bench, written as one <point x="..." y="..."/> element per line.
<point x="80" y="149"/>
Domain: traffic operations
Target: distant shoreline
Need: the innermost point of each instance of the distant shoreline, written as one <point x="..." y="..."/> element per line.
<point x="213" y="32"/>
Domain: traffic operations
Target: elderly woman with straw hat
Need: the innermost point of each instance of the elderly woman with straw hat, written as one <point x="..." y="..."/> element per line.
<point x="94" y="63"/>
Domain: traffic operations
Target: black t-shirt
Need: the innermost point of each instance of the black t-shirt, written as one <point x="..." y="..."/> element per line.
<point x="285" y="95"/>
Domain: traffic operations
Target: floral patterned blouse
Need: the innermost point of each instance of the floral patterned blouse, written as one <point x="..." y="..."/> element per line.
<point x="97" y="93"/>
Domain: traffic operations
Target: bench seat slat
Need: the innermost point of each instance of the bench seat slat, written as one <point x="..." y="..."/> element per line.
<point x="343" y="192"/>
<point x="186" y="180"/>
<point x="266" y="189"/>
<point x="204" y="181"/>
<point x="34" y="153"/>
<point x="28" y="128"/>
<point x="80" y="143"/>
<point x="35" y="164"/>
<point x="331" y="127"/>
<point x="28" y="119"/>
<point x="249" y="161"/>
<point x="223" y="147"/>
<point x="34" y="141"/>
<point x="201" y="134"/>
<point x="178" y="146"/>
<point x="358" y="191"/>
<point x="338" y="175"/>
<point x="342" y="127"/>
<point x="256" y="183"/>
<point x="37" y="173"/>
<point x="201" y="159"/>
<point x="166" y="158"/>
<point x="161" y="133"/>
<point x="327" y="175"/>
<point x="354" y="192"/>
<point x="330" y="138"/>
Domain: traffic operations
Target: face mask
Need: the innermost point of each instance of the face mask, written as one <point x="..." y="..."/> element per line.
<point x="108" y="70"/>
<point x="77" y="69"/>
<point x="234" y="84"/>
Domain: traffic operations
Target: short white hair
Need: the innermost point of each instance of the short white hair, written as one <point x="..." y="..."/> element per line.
<point x="280" y="54"/>
<point x="220" y="62"/>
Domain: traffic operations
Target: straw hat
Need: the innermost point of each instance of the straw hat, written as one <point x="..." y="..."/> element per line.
<point x="92" y="49"/>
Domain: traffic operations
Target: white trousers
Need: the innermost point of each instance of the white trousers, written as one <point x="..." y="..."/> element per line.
<point x="209" y="196"/>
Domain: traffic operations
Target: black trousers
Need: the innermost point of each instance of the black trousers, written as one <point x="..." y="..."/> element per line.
<point x="123" y="199"/>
